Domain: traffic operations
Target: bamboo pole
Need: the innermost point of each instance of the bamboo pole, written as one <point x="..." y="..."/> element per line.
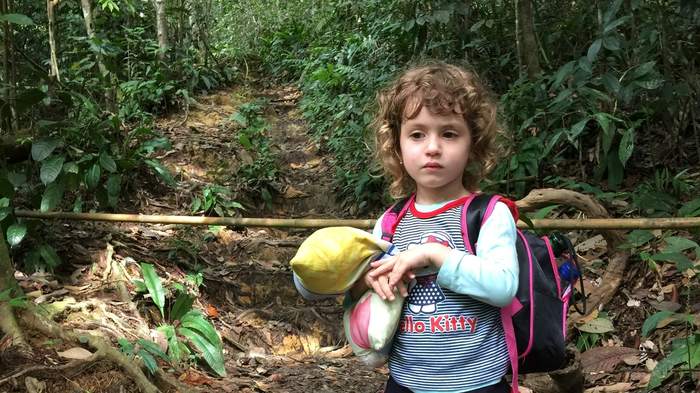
<point x="593" y="223"/>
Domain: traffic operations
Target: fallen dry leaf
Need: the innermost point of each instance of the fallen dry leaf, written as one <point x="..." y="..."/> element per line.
<point x="618" y="387"/>
<point x="292" y="192"/>
<point x="212" y="312"/>
<point x="77" y="353"/>
<point x="194" y="378"/>
<point x="605" y="358"/>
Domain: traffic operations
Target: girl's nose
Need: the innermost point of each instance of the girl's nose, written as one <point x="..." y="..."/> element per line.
<point x="433" y="146"/>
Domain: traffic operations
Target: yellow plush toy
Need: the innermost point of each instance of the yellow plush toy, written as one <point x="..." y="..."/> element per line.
<point x="330" y="260"/>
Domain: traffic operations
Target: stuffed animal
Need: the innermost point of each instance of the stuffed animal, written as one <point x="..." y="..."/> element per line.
<point x="327" y="264"/>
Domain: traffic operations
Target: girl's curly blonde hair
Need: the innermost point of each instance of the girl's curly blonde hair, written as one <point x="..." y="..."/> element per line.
<point x="443" y="89"/>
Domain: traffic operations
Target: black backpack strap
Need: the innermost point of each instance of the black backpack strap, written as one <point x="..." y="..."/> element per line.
<point x="476" y="209"/>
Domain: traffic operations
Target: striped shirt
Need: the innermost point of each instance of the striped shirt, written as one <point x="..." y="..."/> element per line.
<point x="447" y="341"/>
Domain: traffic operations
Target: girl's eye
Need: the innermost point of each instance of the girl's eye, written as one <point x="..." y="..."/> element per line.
<point x="415" y="135"/>
<point x="450" y="134"/>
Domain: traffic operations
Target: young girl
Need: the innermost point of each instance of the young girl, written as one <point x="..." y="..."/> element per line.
<point x="435" y="134"/>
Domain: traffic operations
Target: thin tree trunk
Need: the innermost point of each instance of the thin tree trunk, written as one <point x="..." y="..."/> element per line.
<point x="110" y="94"/>
<point x="8" y="323"/>
<point x="50" y="7"/>
<point x="9" y="124"/>
<point x="525" y="38"/>
<point x="161" y="28"/>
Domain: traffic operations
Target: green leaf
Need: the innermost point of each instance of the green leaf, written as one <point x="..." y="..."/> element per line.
<point x="174" y="344"/>
<point x="107" y="162"/>
<point x="678" y="244"/>
<point x="642" y="69"/>
<point x="126" y="346"/>
<point x="71" y="167"/>
<point x="614" y="24"/>
<point x="49" y="255"/>
<point x="140" y="285"/>
<point x="182" y="305"/>
<point x="43" y="148"/>
<point x="611" y="11"/>
<point x="51" y="168"/>
<point x="611" y="42"/>
<point x="690" y="209"/>
<point x="598" y="326"/>
<point x="611" y="83"/>
<point x="212" y="355"/>
<point x="4" y="208"/>
<point x="52" y="196"/>
<point x="154" y="285"/>
<point x="162" y="172"/>
<point x="603" y="120"/>
<point x="663" y="369"/>
<point x="245" y="141"/>
<point x="92" y="178"/>
<point x="563" y="72"/>
<point x="15" y="234"/>
<point x="682" y="262"/>
<point x="113" y="185"/>
<point x="154" y="144"/>
<point x="616" y="171"/>
<point x="153" y="348"/>
<point x="652" y="322"/>
<point x="650" y="84"/>
<point x="239" y="118"/>
<point x="594" y="49"/>
<point x="544" y="212"/>
<point x="18" y="19"/>
<point x="17" y="179"/>
<point x="639" y="237"/>
<point x="576" y="130"/>
<point x="195" y="320"/>
<point x="626" y="146"/>
<point x="148" y="360"/>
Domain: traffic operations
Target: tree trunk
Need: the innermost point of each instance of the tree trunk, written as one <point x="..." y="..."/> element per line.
<point x="110" y="94"/>
<point x="162" y="28"/>
<point x="10" y="123"/>
<point x="8" y="323"/>
<point x="525" y="38"/>
<point x="50" y="7"/>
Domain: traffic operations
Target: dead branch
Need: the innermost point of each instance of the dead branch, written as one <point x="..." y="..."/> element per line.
<point x="606" y="223"/>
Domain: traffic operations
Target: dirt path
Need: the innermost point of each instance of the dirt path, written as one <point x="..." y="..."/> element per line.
<point x="273" y="340"/>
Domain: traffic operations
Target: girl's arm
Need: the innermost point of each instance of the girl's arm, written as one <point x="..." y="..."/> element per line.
<point x="491" y="277"/>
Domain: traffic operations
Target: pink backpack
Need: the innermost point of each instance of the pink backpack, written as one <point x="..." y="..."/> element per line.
<point x="535" y="321"/>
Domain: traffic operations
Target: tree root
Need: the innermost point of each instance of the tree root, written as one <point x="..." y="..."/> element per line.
<point x="617" y="258"/>
<point x="104" y="348"/>
<point x="566" y="380"/>
<point x="8" y="323"/>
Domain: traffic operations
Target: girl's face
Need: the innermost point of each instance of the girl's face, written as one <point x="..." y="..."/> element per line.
<point x="435" y="151"/>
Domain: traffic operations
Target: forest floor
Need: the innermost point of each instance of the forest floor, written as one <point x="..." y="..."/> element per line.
<point x="274" y="341"/>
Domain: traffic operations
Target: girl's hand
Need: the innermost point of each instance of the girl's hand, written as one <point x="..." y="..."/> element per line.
<point x="401" y="266"/>
<point x="380" y="284"/>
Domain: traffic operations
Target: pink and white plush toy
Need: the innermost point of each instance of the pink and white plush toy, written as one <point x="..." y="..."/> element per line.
<point x="328" y="263"/>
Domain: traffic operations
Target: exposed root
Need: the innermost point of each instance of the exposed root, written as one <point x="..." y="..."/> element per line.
<point x="617" y="258"/>
<point x="104" y="349"/>
<point x="64" y="367"/>
<point x="8" y="323"/>
<point x="569" y="379"/>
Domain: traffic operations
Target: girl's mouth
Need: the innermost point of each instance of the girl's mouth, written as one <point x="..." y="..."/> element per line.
<point x="432" y="165"/>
